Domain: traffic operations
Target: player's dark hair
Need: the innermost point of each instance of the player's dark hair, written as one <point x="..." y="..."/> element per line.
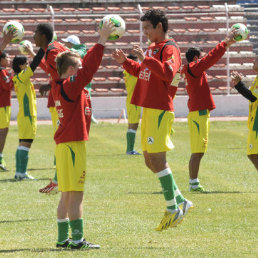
<point x="66" y="59"/>
<point x="2" y="55"/>
<point x="17" y="61"/>
<point x="47" y="30"/>
<point x="155" y="17"/>
<point x="192" y="52"/>
<point x="133" y="57"/>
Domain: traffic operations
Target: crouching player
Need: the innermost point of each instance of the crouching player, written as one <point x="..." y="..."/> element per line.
<point x="74" y="112"/>
<point x="27" y="115"/>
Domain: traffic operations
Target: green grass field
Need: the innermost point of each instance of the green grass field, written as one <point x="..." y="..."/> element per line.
<point x="123" y="201"/>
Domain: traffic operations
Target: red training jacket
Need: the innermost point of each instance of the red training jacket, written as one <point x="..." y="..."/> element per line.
<point x="72" y="101"/>
<point x="197" y="87"/>
<point x="155" y="86"/>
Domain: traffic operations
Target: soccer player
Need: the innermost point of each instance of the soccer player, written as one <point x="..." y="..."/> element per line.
<point x="27" y="115"/>
<point x="74" y="111"/>
<point x="252" y="95"/>
<point x="133" y="111"/>
<point x="158" y="77"/>
<point x="200" y="103"/>
<point x="74" y="44"/>
<point x="6" y="86"/>
<point x="43" y="38"/>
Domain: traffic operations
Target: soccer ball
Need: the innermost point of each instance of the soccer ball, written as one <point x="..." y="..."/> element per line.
<point x="119" y="25"/>
<point x="242" y="31"/>
<point x="18" y="32"/>
<point x="22" y="45"/>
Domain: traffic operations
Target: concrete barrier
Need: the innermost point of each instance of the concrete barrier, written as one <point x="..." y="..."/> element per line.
<point x="111" y="107"/>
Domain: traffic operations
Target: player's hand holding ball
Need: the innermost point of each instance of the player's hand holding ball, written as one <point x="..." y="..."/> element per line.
<point x="105" y="31"/>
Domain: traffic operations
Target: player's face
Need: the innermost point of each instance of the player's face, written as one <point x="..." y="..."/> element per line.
<point x="37" y="38"/>
<point x="5" y="62"/>
<point x="150" y="32"/>
<point x="76" y="67"/>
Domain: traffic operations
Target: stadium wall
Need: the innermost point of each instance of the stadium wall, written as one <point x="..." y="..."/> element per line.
<point x="112" y="107"/>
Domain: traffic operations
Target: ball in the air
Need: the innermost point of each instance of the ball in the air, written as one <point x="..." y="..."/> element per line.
<point x="241" y="30"/>
<point x="22" y="46"/>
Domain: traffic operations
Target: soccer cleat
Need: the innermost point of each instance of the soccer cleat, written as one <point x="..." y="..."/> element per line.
<point x="21" y="176"/>
<point x="170" y="220"/>
<point x="3" y="166"/>
<point x="83" y="245"/>
<point x="187" y="206"/>
<point x="133" y="152"/>
<point x="198" y="189"/>
<point x="51" y="188"/>
<point x="63" y="244"/>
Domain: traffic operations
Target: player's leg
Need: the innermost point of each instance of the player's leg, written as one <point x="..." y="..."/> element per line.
<point x="63" y="240"/>
<point x="156" y="130"/>
<point x="52" y="186"/>
<point x="3" y="134"/>
<point x="71" y="161"/>
<point x="5" y="116"/>
<point x="198" y="122"/>
<point x="22" y="158"/>
<point x="133" y="113"/>
<point x="252" y="147"/>
<point x="27" y="127"/>
<point x="254" y="160"/>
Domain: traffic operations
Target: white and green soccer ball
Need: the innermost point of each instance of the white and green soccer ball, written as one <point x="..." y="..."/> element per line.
<point x="119" y="26"/>
<point x="22" y="46"/>
<point x="18" y="30"/>
<point x="242" y="31"/>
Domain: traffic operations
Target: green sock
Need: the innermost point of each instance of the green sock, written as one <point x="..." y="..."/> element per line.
<point x="130" y="136"/>
<point x="55" y="178"/>
<point x="1" y="157"/>
<point x="63" y="229"/>
<point x="54" y="160"/>
<point x="24" y="157"/>
<point x="18" y="162"/>
<point x="179" y="197"/>
<point x="77" y="229"/>
<point x="167" y="183"/>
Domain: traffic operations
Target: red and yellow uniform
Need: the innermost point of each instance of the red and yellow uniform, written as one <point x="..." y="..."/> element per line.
<point x="72" y="103"/>
<point x="6" y="85"/>
<point x="200" y="101"/>
<point x="158" y="78"/>
<point x="252" y="142"/>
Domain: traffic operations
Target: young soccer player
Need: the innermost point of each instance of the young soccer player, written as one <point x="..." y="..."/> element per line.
<point x="6" y="86"/>
<point x="27" y="115"/>
<point x="252" y="96"/>
<point x="158" y="78"/>
<point x="200" y="103"/>
<point x="133" y="111"/>
<point x="74" y="111"/>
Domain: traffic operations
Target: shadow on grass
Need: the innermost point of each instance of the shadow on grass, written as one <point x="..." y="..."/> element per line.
<point x="20" y="220"/>
<point x="210" y="192"/>
<point x="17" y="181"/>
<point x="32" y="169"/>
<point x="37" y="250"/>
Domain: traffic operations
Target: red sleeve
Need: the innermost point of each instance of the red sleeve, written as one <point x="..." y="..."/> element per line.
<point x="5" y="80"/>
<point x="132" y="67"/>
<point x="209" y="60"/>
<point x="91" y="62"/>
<point x="167" y="69"/>
<point x="43" y="66"/>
